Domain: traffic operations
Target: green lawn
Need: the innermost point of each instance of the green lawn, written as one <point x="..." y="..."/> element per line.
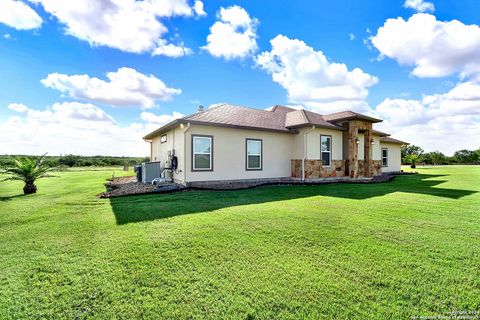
<point x="393" y="250"/>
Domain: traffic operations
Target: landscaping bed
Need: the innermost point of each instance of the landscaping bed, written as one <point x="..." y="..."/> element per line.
<point x="124" y="186"/>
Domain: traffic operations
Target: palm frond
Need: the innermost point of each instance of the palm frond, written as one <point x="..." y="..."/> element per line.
<point x="28" y="169"/>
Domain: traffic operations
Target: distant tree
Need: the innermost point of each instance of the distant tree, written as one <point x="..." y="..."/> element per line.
<point x="28" y="170"/>
<point x="435" y="157"/>
<point x="411" y="154"/>
<point x="466" y="156"/>
<point x="69" y="160"/>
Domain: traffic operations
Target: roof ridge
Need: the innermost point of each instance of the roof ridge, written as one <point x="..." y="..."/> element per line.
<point x="346" y="110"/>
<point x="305" y="116"/>
<point x="244" y="107"/>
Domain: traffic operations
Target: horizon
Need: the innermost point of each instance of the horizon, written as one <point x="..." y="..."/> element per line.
<point x="78" y="82"/>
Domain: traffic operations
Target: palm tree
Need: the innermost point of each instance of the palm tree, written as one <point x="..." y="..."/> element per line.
<point x="28" y="170"/>
<point x="412" y="159"/>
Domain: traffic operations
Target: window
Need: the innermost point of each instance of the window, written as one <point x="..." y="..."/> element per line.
<point x="202" y="153"/>
<point x="326" y="150"/>
<point x="384" y="157"/>
<point x="163" y="138"/>
<point x="254" y="154"/>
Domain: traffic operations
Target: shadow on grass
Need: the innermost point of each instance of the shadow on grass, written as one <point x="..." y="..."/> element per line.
<point x="159" y="206"/>
<point x="8" y="198"/>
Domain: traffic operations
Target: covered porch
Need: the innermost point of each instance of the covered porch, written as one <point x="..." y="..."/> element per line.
<point x="358" y="134"/>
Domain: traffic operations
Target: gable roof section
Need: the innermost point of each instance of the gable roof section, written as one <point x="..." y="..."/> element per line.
<point x="278" y="119"/>
<point x="349" y="115"/>
<point x="392" y="140"/>
<point x="300" y="118"/>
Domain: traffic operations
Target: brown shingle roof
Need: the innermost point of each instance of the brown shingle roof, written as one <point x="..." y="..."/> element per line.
<point x="302" y="117"/>
<point x="278" y="118"/>
<point x="392" y="140"/>
<point x="348" y="115"/>
<point x="231" y="115"/>
<point x="380" y="133"/>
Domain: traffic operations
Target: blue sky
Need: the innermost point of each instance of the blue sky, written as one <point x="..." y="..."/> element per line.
<point x="425" y="82"/>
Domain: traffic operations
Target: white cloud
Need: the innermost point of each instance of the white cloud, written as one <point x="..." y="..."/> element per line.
<point x="170" y="50"/>
<point x="160" y="119"/>
<point x="125" y="87"/>
<point x="18" y="15"/>
<point x="76" y="128"/>
<point x="128" y="25"/>
<point x="311" y="80"/>
<point x="351" y="36"/>
<point x="446" y="122"/>
<point x="198" y="8"/>
<point x="234" y="35"/>
<point x="419" y="5"/>
<point x="18" y="107"/>
<point x="67" y="113"/>
<point x="434" y="48"/>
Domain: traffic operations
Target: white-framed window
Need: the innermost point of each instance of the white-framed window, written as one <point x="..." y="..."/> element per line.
<point x="163" y="138"/>
<point x="326" y="150"/>
<point x="202" y="153"/>
<point x="254" y="154"/>
<point x="384" y="157"/>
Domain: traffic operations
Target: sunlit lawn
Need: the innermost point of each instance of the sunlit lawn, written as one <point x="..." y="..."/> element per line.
<point x="393" y="250"/>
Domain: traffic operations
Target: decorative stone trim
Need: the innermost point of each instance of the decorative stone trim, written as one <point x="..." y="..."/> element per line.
<point x="314" y="169"/>
<point x="375" y="168"/>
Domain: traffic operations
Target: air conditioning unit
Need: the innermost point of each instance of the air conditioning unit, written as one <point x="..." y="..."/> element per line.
<point x="150" y="171"/>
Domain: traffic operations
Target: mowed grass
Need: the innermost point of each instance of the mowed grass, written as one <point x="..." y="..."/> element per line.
<point x="405" y="248"/>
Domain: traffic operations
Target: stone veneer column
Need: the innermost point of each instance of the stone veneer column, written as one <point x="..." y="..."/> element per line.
<point x="367" y="149"/>
<point x="352" y="149"/>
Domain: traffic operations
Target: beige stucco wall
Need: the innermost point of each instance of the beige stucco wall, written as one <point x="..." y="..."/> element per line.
<point x="229" y="154"/>
<point x="278" y="151"/>
<point x="160" y="151"/>
<point x="394" y="157"/>
<point x="376" y="149"/>
<point x="313" y="143"/>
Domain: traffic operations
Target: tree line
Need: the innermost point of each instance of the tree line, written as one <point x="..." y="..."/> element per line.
<point x="71" y="160"/>
<point x="413" y="155"/>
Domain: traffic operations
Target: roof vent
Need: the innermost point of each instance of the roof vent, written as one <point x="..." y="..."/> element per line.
<point x="201" y="108"/>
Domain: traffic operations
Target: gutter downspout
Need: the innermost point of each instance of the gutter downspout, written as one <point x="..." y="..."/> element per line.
<point x="305" y="150"/>
<point x="185" y="153"/>
<point x="151" y="147"/>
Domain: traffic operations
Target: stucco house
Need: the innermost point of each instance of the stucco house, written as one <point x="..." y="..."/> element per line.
<point x="229" y="142"/>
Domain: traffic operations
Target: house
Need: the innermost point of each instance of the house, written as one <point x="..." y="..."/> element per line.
<point x="233" y="143"/>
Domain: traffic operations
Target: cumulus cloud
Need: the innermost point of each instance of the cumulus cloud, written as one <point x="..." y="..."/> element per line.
<point x="128" y="25"/>
<point x="125" y="87"/>
<point x="67" y="112"/>
<point x="72" y="127"/>
<point x="233" y="35"/>
<point x="434" y="48"/>
<point x="419" y="5"/>
<point x="445" y="122"/>
<point x="311" y="80"/>
<point x="18" y="15"/>
<point x="170" y="50"/>
<point x="18" y="107"/>
<point x="160" y="119"/>
<point x="198" y="8"/>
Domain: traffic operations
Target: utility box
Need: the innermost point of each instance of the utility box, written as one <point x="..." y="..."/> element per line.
<point x="138" y="172"/>
<point x="150" y="171"/>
